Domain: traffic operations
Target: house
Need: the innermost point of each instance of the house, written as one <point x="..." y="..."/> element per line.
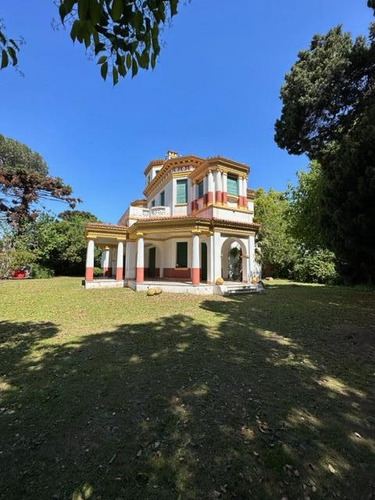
<point x="193" y="226"/>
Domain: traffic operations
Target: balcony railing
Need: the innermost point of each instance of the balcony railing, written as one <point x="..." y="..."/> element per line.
<point x="149" y="212"/>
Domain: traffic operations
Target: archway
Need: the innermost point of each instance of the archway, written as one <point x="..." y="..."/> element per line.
<point x="233" y="260"/>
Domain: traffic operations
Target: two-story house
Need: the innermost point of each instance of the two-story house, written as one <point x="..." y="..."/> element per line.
<point x="193" y="226"/>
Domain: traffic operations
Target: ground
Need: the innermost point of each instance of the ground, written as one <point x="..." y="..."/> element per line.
<point x="114" y="395"/>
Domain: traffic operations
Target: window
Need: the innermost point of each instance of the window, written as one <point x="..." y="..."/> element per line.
<point x="233" y="185"/>
<point x="182" y="191"/>
<point x="148" y="179"/>
<point x="181" y="254"/>
<point x="162" y="198"/>
<point x="200" y="190"/>
<point x="153" y="203"/>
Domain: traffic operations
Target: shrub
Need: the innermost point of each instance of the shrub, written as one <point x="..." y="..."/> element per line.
<point x="316" y="267"/>
<point x="41" y="272"/>
<point x="98" y="272"/>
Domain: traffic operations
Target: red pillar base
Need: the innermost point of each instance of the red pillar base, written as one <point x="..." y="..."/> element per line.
<point x="195" y="275"/>
<point x="140" y="274"/>
<point x="119" y="274"/>
<point x="225" y="197"/>
<point x="89" y="276"/>
<point x="210" y="197"/>
<point x="218" y="196"/>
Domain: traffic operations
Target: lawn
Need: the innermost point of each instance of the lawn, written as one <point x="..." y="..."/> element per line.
<point x="114" y="395"/>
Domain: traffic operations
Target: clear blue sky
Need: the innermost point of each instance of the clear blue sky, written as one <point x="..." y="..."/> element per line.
<point x="215" y="91"/>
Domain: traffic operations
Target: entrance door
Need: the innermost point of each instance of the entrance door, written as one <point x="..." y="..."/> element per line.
<point x="203" y="262"/>
<point x="151" y="262"/>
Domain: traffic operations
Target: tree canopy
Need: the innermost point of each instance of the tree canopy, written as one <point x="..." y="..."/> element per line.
<point x="328" y="113"/>
<point x="124" y="35"/>
<point x="24" y="184"/>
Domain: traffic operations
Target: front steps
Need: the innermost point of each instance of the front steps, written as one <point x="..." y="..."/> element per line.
<point x="237" y="288"/>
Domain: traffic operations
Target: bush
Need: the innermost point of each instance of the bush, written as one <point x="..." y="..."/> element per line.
<point x="41" y="272"/>
<point x="12" y="258"/>
<point x="316" y="267"/>
<point x="98" y="272"/>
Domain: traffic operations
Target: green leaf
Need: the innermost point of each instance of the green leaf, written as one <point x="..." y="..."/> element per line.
<point x="83" y="6"/>
<point x="75" y="29"/>
<point x="95" y="11"/>
<point x="117" y="10"/>
<point x="13" y="55"/>
<point x="128" y="61"/>
<point x="173" y="4"/>
<point x="4" y="59"/>
<point x="138" y="20"/>
<point x="134" y="68"/>
<point x="104" y="70"/>
<point x="115" y="76"/>
<point x="102" y="59"/>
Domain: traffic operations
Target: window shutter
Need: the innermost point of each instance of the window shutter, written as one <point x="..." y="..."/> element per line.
<point x="181" y="258"/>
<point x="232" y="185"/>
<point x="182" y="191"/>
<point x="200" y="190"/>
<point x="162" y="198"/>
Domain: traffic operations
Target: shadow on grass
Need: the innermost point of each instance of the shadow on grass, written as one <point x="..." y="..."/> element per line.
<point x="177" y="409"/>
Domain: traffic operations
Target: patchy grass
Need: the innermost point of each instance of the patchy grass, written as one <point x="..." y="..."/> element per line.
<point x="114" y="395"/>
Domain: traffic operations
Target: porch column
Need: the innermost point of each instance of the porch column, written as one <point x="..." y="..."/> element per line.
<point x="193" y="204"/>
<point x="219" y="187"/>
<point x="225" y="188"/>
<point x="120" y="261"/>
<point x="195" y="269"/>
<point x="140" y="259"/>
<point x="251" y="244"/>
<point x="210" y="188"/>
<point x="107" y="270"/>
<point x="244" y="192"/>
<point x="89" y="276"/>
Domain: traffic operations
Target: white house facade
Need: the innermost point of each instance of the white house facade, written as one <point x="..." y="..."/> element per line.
<point x="193" y="227"/>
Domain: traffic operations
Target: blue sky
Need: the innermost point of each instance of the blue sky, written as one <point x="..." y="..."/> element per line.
<point x="215" y="91"/>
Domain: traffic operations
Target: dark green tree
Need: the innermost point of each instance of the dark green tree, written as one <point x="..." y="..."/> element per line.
<point x="24" y="184"/>
<point x="124" y="35"/>
<point x="277" y="248"/>
<point x="329" y="113"/>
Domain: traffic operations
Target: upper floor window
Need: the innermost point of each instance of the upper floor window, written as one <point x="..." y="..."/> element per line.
<point x="148" y="179"/>
<point x="153" y="203"/>
<point x="162" y="199"/>
<point x="181" y="191"/>
<point x="232" y="185"/>
<point x="200" y="190"/>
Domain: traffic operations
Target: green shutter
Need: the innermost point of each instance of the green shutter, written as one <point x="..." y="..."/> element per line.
<point x="181" y="257"/>
<point x="162" y="198"/>
<point x="232" y="185"/>
<point x="200" y="190"/>
<point x="182" y="191"/>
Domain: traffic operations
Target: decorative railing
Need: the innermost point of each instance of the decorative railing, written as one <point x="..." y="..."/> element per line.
<point x="149" y="212"/>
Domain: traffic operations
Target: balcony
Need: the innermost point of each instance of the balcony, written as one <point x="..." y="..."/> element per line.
<point x="140" y="212"/>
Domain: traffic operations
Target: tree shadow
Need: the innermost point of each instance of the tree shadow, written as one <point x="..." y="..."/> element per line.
<point x="236" y="408"/>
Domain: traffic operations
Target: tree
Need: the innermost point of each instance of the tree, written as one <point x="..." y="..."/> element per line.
<point x="305" y="207"/>
<point x="277" y="249"/>
<point x="124" y="35"/>
<point x="24" y="183"/>
<point x="329" y="113"/>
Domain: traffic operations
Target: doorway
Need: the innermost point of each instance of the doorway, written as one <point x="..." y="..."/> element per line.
<point x="203" y="262"/>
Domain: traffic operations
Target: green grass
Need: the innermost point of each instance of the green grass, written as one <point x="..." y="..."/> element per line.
<point x="114" y="395"/>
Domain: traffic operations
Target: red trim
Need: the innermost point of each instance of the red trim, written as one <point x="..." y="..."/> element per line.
<point x="195" y="275"/>
<point x="171" y="272"/>
<point x="140" y="274"/>
<point x="225" y="197"/>
<point x="194" y="205"/>
<point x="119" y="274"/>
<point x="210" y="197"/>
<point x="205" y="198"/>
<point x="89" y="276"/>
<point x="219" y="196"/>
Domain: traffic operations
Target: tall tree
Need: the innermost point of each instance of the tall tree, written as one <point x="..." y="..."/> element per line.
<point x="24" y="184"/>
<point x="328" y="113"/>
<point x="124" y="35"/>
<point x="277" y="248"/>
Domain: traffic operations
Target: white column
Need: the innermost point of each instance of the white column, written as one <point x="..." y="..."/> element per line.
<point x="140" y="259"/>
<point x="130" y="260"/>
<point x="105" y="261"/>
<point x="90" y="260"/>
<point x="210" y="188"/>
<point x="211" y="259"/>
<point x="195" y="267"/>
<point x="251" y="249"/>
<point x="219" y="187"/>
<point x="225" y="187"/>
<point x="217" y="255"/>
<point x="120" y="261"/>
